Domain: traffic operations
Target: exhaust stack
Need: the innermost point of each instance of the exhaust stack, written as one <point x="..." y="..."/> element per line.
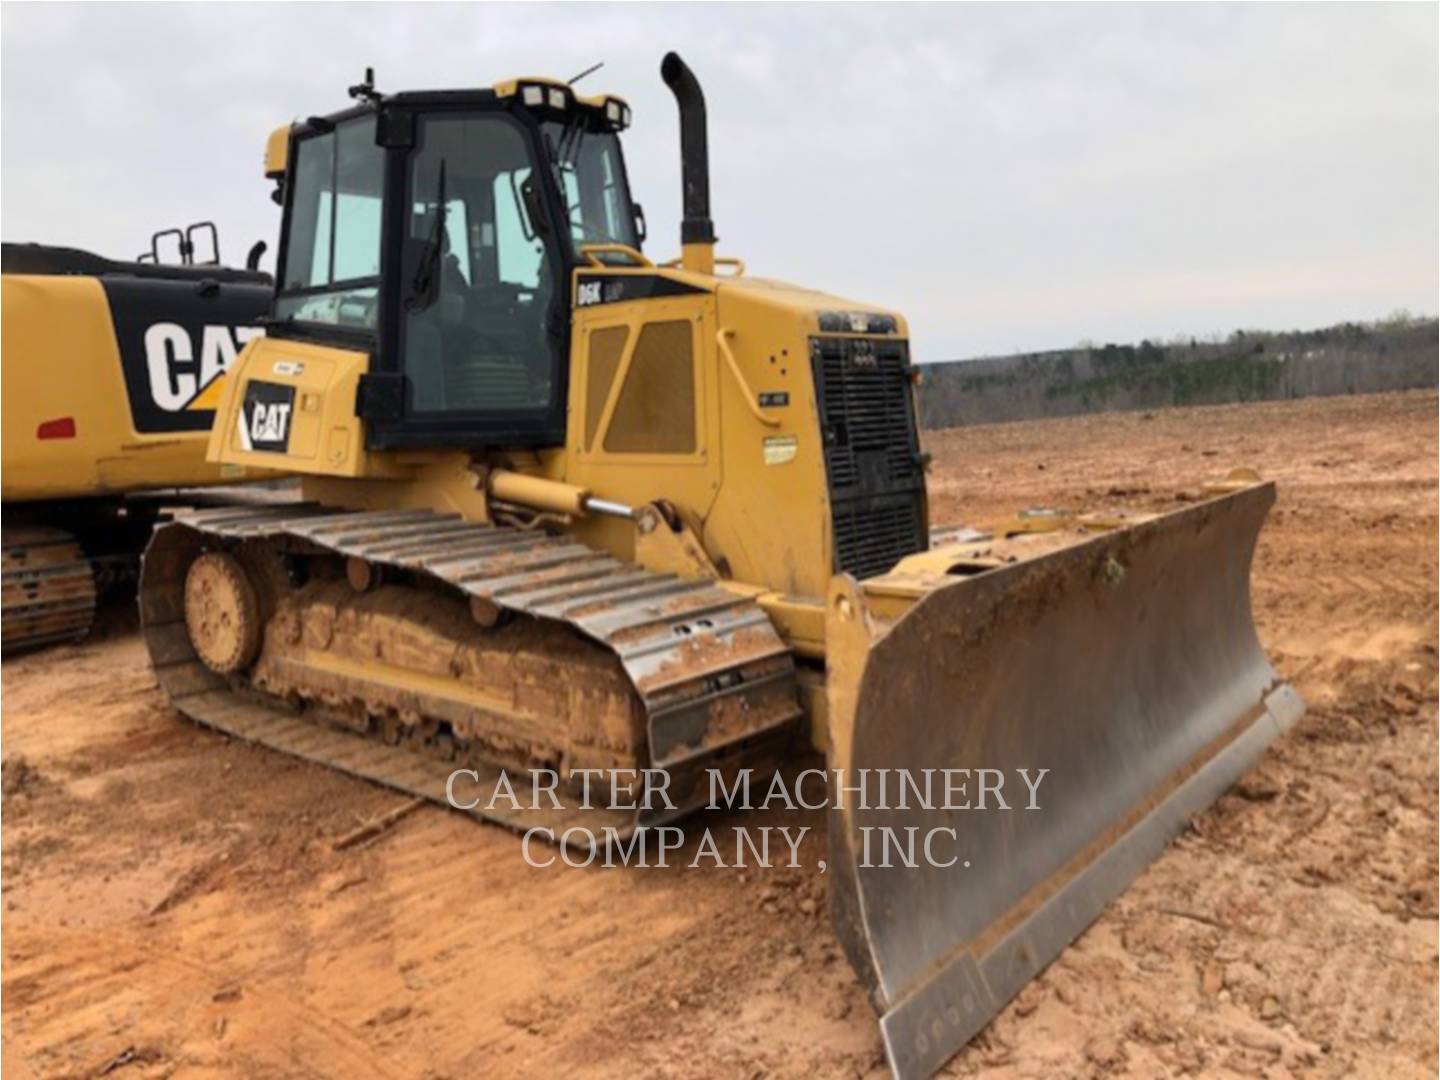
<point x="697" y="231"/>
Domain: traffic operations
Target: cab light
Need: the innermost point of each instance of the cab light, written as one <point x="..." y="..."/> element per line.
<point x="612" y="111"/>
<point x="61" y="428"/>
<point x="533" y="95"/>
<point x="557" y="99"/>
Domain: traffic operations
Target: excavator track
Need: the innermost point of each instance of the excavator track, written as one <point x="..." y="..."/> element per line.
<point x="714" y="679"/>
<point x="48" y="588"/>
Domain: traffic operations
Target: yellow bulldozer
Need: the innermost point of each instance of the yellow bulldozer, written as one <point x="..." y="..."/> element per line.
<point x="567" y="508"/>
<point x="111" y="373"/>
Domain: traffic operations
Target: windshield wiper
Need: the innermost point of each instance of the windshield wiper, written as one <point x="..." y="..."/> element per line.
<point x="566" y="151"/>
<point x="425" y="288"/>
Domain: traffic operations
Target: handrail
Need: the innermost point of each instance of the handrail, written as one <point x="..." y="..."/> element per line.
<point x="591" y="251"/>
<point x="745" y="391"/>
<point x="720" y="260"/>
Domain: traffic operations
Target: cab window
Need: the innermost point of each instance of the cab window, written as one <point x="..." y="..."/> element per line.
<point x="331" y="272"/>
<point x="518" y="251"/>
<point x="476" y="276"/>
<point x="591" y="180"/>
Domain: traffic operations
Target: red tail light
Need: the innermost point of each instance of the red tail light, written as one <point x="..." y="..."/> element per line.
<point x="63" y="428"/>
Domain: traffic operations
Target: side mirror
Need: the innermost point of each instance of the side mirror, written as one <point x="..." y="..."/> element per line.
<point x="640" y="230"/>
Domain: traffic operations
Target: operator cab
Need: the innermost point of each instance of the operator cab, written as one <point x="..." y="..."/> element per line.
<point x="439" y="230"/>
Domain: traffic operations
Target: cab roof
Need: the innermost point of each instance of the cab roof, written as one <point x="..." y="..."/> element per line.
<point x="538" y="92"/>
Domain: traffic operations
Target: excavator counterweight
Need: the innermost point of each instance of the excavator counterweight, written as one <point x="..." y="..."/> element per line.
<point x="111" y="373"/>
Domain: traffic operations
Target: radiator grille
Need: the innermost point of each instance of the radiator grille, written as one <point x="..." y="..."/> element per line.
<point x="877" y="487"/>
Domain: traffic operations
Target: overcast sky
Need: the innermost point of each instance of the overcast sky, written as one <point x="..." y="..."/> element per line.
<point x="1009" y="177"/>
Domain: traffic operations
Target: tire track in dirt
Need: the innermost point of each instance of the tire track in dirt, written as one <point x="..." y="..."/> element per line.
<point x="69" y="985"/>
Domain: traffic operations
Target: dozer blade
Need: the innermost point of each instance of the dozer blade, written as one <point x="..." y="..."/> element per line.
<point x="1126" y="665"/>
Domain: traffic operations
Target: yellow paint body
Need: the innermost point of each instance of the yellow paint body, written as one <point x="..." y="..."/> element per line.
<point x="742" y="478"/>
<point x="763" y="518"/>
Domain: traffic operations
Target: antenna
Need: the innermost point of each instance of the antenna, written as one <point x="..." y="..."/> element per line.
<point x="588" y="71"/>
<point x="365" y="89"/>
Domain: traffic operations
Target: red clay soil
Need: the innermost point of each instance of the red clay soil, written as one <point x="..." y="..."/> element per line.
<point x="174" y="903"/>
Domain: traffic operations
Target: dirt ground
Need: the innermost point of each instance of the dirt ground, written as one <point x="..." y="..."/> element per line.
<point x="173" y="904"/>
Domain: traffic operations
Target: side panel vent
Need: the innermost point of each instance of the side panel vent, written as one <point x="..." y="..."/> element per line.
<point x="607" y="346"/>
<point x="872" y="451"/>
<point x="655" y="413"/>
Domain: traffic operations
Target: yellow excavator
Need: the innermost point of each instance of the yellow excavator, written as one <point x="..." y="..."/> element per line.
<point x="111" y="373"/>
<point x="567" y="508"/>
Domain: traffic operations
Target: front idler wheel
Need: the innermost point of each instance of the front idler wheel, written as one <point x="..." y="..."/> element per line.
<point x="222" y="612"/>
